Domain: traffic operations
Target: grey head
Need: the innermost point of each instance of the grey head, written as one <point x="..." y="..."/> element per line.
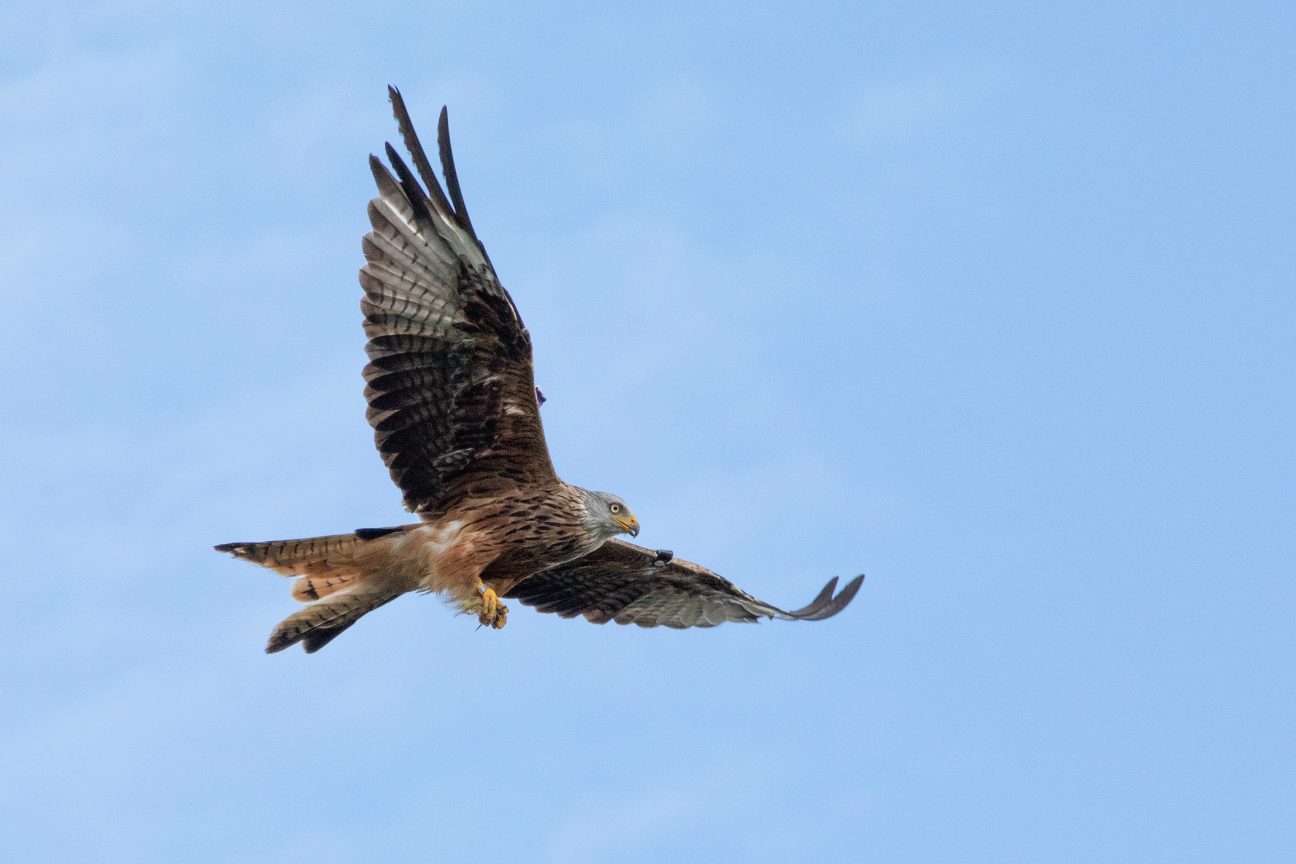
<point x="608" y="515"/>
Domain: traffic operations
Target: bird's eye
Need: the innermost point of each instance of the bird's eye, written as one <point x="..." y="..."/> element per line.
<point x="615" y="508"/>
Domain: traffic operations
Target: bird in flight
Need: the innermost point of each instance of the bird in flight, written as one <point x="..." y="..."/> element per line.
<point x="456" y="417"/>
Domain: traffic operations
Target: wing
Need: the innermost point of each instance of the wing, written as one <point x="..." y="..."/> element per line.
<point x="628" y="584"/>
<point x="450" y="383"/>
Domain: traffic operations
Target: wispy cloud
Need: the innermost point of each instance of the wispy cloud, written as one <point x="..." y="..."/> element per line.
<point x="902" y="109"/>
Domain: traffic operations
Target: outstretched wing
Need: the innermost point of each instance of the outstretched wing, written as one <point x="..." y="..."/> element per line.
<point x="450" y="384"/>
<point x="628" y="584"/>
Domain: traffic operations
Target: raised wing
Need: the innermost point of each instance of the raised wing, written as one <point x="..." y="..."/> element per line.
<point x="628" y="584"/>
<point x="450" y="384"/>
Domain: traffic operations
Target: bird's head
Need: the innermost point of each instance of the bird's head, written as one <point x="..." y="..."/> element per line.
<point x="610" y="514"/>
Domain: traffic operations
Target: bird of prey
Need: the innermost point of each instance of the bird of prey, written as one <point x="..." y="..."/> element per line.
<point x="456" y="417"/>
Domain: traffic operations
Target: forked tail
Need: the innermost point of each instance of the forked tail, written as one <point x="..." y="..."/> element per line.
<point x="332" y="580"/>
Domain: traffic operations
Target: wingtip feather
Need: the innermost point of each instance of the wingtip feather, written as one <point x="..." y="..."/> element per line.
<point x="821" y="599"/>
<point x="415" y="148"/>
<point x="838" y="603"/>
<point x="452" y="174"/>
<point x="848" y="593"/>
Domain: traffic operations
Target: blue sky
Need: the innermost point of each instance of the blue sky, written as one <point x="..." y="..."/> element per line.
<point x="992" y="302"/>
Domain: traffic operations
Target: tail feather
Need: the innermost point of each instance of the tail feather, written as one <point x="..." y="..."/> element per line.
<point x="339" y="577"/>
<point x="308" y="589"/>
<point x="321" y="636"/>
<point x="294" y="557"/>
<point x="322" y="622"/>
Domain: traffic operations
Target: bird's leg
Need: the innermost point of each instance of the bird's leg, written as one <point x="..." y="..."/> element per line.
<point x="491" y="613"/>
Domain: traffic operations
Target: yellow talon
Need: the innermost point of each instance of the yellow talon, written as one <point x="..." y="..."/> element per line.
<point x="492" y="613"/>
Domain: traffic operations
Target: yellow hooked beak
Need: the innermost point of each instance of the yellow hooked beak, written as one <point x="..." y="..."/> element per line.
<point x="628" y="523"/>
